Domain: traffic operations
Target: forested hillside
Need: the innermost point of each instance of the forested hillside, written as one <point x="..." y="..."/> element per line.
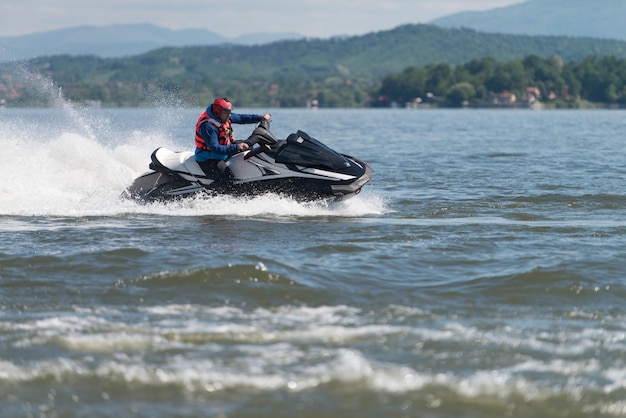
<point x="343" y="72"/>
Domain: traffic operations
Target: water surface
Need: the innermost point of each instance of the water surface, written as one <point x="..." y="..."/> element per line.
<point x="479" y="274"/>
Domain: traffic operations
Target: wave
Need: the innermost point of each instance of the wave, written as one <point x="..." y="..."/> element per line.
<point x="591" y="286"/>
<point x="259" y="355"/>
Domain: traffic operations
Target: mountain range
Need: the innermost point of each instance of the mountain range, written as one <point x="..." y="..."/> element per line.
<point x="575" y="18"/>
<point x="115" y="41"/>
<point x="578" y="18"/>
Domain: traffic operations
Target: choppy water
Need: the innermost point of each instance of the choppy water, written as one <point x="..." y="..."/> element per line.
<point x="481" y="273"/>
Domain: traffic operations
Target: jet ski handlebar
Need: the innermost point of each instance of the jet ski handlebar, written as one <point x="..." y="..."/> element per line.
<point x="261" y="135"/>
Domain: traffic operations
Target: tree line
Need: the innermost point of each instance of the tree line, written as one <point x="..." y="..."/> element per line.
<point x="594" y="79"/>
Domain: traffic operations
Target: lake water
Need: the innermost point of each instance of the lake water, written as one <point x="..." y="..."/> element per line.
<point x="481" y="273"/>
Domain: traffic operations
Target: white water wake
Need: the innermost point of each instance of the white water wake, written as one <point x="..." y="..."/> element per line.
<point x="68" y="162"/>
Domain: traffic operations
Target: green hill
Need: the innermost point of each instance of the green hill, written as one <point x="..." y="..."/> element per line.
<point x="288" y="73"/>
<point x="373" y="55"/>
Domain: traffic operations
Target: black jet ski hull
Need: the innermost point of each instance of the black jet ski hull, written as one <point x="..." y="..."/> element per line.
<point x="159" y="186"/>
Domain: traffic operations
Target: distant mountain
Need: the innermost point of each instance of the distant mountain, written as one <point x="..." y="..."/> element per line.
<point x="263" y="38"/>
<point x="116" y="41"/>
<point x="602" y="19"/>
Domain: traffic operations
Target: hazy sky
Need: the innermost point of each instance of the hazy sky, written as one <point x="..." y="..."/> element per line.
<point x="314" y="18"/>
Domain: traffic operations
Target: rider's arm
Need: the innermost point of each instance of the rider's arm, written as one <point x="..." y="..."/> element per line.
<point x="243" y="118"/>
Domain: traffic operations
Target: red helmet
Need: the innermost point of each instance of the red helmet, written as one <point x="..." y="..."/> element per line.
<point x="220" y="104"/>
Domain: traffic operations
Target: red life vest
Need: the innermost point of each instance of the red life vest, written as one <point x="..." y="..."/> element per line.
<point x="224" y="131"/>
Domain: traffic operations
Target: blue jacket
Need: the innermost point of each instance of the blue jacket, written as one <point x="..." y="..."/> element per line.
<point x="209" y="132"/>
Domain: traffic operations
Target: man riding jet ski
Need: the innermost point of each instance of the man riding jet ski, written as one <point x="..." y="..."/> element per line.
<point x="215" y="140"/>
<point x="299" y="166"/>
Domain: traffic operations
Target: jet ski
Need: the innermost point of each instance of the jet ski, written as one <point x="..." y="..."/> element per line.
<point x="299" y="166"/>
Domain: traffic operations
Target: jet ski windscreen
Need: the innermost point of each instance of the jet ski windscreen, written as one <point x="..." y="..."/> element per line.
<point x="304" y="150"/>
